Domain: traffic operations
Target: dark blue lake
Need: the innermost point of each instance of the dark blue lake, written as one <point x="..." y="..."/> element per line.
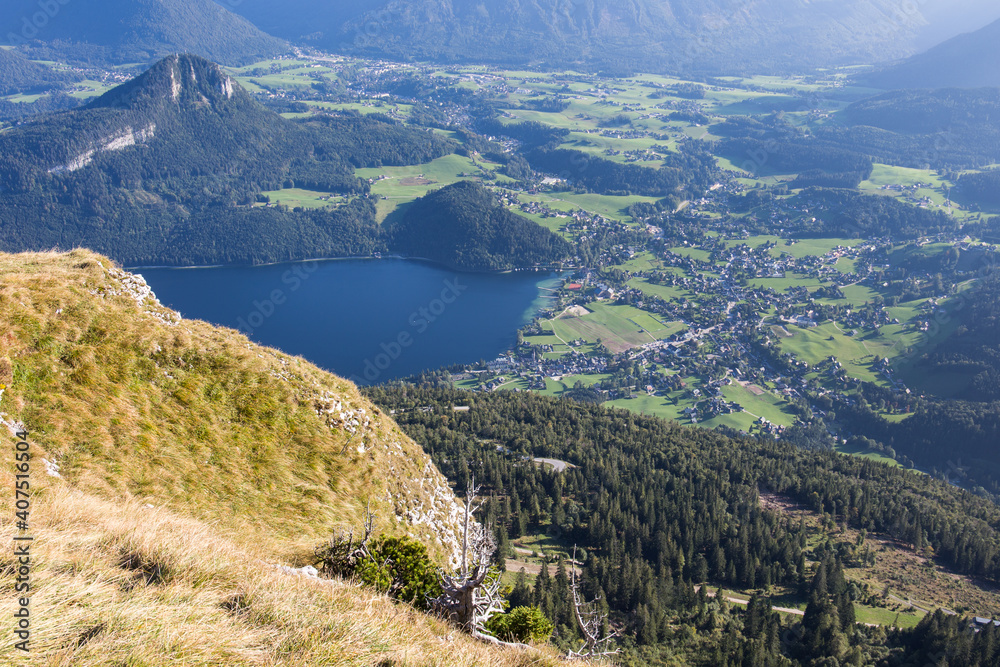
<point x="369" y="320"/>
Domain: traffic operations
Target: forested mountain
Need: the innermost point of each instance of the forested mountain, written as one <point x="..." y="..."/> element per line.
<point x="136" y="31"/>
<point x="938" y="129"/>
<point x="971" y="60"/>
<point x="685" y="35"/>
<point x="658" y="507"/>
<point x="464" y="227"/>
<point x="165" y="169"/>
<point x="20" y="75"/>
<point x="949" y="127"/>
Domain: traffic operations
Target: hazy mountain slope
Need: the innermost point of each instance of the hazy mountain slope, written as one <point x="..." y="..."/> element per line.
<point x="688" y="35"/>
<point x="165" y="168"/>
<point x="971" y="60"/>
<point x="950" y="18"/>
<point x="190" y="461"/>
<point x="129" y="31"/>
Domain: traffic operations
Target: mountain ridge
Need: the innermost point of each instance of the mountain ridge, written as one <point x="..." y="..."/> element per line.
<point x="130" y="31"/>
<point x="166" y="169"/>
<point x="709" y="37"/>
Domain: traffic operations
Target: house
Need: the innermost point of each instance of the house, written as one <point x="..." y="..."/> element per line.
<point x="978" y="623"/>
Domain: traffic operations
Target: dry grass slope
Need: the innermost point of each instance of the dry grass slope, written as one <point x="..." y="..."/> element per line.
<point x="191" y="461"/>
<point x="124" y="584"/>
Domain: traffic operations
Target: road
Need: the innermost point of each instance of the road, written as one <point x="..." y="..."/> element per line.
<point x="785" y="610"/>
<point x="796" y="612"/>
<point x="560" y="466"/>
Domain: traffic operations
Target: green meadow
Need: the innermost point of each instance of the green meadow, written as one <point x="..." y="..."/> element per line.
<point x="293" y="197"/>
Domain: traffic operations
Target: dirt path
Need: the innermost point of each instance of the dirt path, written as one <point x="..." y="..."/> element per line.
<point x="863" y="343"/>
<point x="786" y="610"/>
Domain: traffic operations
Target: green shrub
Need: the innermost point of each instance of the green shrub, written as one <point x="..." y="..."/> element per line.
<point x="521" y="624"/>
<point x="397" y="566"/>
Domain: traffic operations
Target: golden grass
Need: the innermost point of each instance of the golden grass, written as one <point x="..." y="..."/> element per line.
<point x="197" y="418"/>
<point x="217" y="602"/>
<point x="191" y="462"/>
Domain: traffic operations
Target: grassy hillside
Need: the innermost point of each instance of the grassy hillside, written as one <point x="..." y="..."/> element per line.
<point x="191" y="461"/>
<point x="121" y="583"/>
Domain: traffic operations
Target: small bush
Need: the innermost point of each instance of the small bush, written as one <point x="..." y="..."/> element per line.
<point x="521" y="624"/>
<point x="398" y="566"/>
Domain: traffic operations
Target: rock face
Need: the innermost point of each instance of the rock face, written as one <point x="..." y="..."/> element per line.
<point x="124" y="139"/>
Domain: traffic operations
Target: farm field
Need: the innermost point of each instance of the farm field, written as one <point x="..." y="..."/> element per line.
<point x="293" y="197"/>
<point x="765" y="404"/>
<point x="617" y="327"/>
<point x="666" y="292"/>
<point x="405" y="184"/>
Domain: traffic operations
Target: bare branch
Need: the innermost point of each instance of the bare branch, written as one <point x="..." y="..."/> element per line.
<point x="472" y="596"/>
<point x="591" y="621"/>
<point x="342" y="554"/>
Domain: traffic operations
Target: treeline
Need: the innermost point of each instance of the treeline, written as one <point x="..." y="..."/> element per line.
<point x="657" y="508"/>
<point x="463" y="226"/>
<point x="17" y="111"/>
<point x="950" y="128"/>
<point x="20" y="75"/>
<point x="530" y="133"/>
<point x="692" y="166"/>
<point x="817" y="165"/>
<point x="852" y="214"/>
<point x="974" y="349"/>
<point x="604" y="176"/>
<point x="982" y="187"/>
<point x="648" y="453"/>
<point x="938" y="129"/>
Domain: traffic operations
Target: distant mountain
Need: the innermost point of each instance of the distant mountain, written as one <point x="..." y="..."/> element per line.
<point x="131" y="31"/>
<point x="166" y="169"/>
<point x="20" y="75"/>
<point x="708" y="36"/>
<point x="971" y="60"/>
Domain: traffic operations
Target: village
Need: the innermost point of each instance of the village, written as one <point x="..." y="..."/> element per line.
<point x="735" y="301"/>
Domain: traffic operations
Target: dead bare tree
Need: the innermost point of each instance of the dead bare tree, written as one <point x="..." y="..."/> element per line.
<point x="342" y="554"/>
<point x="471" y="596"/>
<point x="591" y="620"/>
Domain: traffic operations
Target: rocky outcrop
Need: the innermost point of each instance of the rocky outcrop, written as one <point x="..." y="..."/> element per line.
<point x="116" y="142"/>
